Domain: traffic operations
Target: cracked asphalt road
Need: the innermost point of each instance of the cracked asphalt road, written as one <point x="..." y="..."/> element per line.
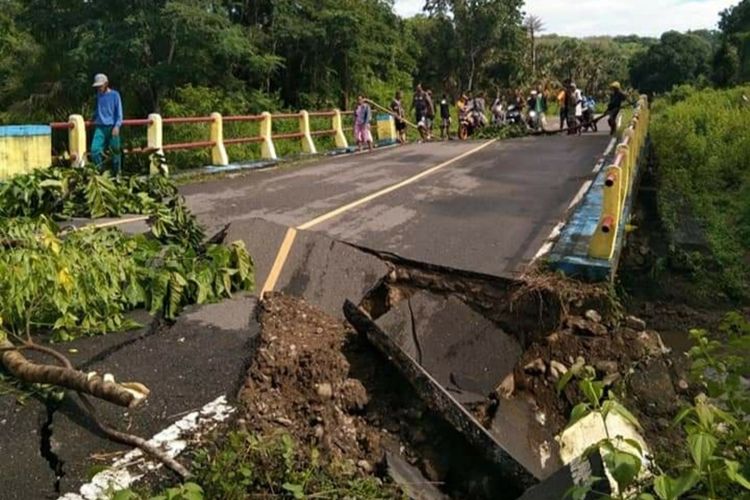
<point x="489" y="211"/>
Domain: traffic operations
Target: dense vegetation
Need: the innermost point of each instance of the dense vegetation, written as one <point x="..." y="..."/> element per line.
<point x="702" y="151"/>
<point x="67" y="282"/>
<point x="173" y="55"/>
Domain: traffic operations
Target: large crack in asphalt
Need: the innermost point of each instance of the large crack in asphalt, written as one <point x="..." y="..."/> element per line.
<point x="47" y="448"/>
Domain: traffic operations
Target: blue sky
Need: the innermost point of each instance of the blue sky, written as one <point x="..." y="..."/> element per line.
<point x="613" y="17"/>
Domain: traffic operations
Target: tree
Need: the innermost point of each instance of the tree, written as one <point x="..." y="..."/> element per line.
<point x="677" y="58"/>
<point x="488" y="34"/>
<point x="731" y="64"/>
<point x="534" y="25"/>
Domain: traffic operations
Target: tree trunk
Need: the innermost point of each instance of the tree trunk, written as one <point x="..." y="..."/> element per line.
<point x="27" y="371"/>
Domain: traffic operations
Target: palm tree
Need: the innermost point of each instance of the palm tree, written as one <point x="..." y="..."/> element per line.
<point x="534" y="25"/>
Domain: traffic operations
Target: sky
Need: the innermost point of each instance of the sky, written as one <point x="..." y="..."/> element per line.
<point x="613" y="17"/>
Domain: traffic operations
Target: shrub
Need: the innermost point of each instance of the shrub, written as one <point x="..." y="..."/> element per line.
<point x="702" y="150"/>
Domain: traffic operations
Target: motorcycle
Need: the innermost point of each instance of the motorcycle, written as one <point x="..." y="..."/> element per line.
<point x="534" y="121"/>
<point x="513" y="115"/>
<point x="587" y="118"/>
<point x="469" y="123"/>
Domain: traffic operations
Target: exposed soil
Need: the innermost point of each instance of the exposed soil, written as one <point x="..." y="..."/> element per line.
<point x="629" y="358"/>
<point x="315" y="378"/>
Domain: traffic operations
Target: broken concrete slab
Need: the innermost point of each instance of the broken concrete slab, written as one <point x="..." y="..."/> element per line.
<point x="321" y="270"/>
<point x="202" y="356"/>
<point x="440" y="400"/>
<point x="326" y="272"/>
<point x="460" y="348"/>
<point x="469" y="356"/>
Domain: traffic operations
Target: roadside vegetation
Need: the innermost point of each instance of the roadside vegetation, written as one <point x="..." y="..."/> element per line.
<point x="713" y="459"/>
<point x="246" y="465"/>
<point x="702" y="153"/>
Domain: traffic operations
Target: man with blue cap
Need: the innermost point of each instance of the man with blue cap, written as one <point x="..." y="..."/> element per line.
<point x="107" y="122"/>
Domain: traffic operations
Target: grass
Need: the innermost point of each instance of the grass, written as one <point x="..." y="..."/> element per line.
<point x="702" y="150"/>
<point x="273" y="465"/>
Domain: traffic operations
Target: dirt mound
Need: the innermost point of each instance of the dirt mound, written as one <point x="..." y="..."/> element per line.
<point x="318" y="380"/>
<point x="299" y="381"/>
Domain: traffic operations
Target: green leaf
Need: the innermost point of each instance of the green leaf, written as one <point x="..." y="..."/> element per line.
<point x="564" y="380"/>
<point x="702" y="446"/>
<point x="593" y="391"/>
<point x="624" y="467"/>
<point x="635" y="444"/>
<point x="578" y="412"/>
<point x="295" y="489"/>
<point x="620" y="410"/>
<point x="705" y="415"/>
<point x="127" y="494"/>
<point x="734" y="474"/>
<point x="682" y="414"/>
<point x="671" y="489"/>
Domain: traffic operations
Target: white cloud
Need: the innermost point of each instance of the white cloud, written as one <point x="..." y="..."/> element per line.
<point x="613" y="17"/>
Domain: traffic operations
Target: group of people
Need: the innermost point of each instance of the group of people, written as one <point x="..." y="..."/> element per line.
<point x="577" y="109"/>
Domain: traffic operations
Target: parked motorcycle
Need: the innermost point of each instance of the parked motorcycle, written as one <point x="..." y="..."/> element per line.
<point x="534" y="121"/>
<point x="513" y="115"/>
<point x="469" y="123"/>
<point x="587" y="119"/>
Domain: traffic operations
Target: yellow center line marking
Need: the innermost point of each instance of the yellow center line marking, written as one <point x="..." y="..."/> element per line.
<point x="291" y="233"/>
<point x="118" y="222"/>
<point x="278" y="263"/>
<point x="333" y="213"/>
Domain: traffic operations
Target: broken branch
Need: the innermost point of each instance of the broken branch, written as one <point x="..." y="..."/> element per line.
<point x="127" y="395"/>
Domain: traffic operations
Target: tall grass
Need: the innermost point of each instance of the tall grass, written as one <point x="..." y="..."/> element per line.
<point x="702" y="145"/>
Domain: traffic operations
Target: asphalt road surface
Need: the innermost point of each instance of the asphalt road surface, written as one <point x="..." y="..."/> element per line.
<point x="482" y="206"/>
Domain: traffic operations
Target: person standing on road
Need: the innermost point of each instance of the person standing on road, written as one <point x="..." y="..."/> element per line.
<point x="419" y="106"/>
<point x="399" y="114"/>
<point x="563" y="105"/>
<point x="578" y="95"/>
<point x="616" y="99"/>
<point x="541" y="106"/>
<point x="362" y="117"/>
<point x="445" y="117"/>
<point x="108" y="117"/>
<point x="429" y="113"/>
<point x="572" y="102"/>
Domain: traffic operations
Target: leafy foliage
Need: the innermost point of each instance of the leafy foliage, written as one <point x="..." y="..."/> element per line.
<point x="250" y="466"/>
<point x="85" y="192"/>
<point x="717" y="426"/>
<point x="703" y="156"/>
<point x="83" y="282"/>
<point x="677" y="58"/>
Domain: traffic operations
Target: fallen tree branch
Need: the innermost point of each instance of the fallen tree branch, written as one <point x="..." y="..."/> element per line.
<point x="68" y="377"/>
<point x="128" y="395"/>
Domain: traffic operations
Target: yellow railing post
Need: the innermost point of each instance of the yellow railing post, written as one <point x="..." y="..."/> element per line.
<point x="267" y="149"/>
<point x="308" y="146"/>
<point x="218" y="151"/>
<point x="338" y="127"/>
<point x="155" y="143"/>
<point x="77" y="140"/>
<point x="603" y="240"/>
<point x="626" y="164"/>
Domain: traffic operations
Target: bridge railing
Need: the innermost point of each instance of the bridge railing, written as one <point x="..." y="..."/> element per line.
<point x="215" y="140"/>
<point x="619" y="183"/>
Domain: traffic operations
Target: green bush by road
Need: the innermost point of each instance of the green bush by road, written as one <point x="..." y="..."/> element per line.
<point x="702" y="147"/>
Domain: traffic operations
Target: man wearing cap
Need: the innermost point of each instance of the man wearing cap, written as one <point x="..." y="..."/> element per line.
<point x="107" y="122"/>
<point x="615" y="104"/>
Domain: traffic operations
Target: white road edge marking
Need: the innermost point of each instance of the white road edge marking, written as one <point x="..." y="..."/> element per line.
<point x="173" y="440"/>
<point x="550" y="240"/>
